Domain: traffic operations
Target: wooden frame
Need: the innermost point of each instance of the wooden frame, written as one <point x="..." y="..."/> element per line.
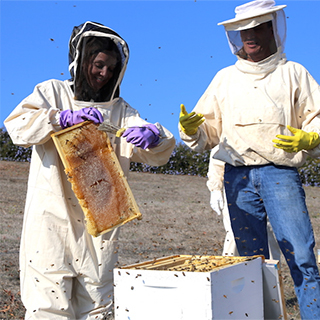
<point x="96" y="176"/>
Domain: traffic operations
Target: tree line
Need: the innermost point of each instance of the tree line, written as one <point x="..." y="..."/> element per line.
<point x="183" y="161"/>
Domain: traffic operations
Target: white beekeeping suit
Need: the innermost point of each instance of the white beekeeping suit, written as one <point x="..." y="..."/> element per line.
<point x="219" y="205"/>
<point x="65" y="272"/>
<point x="262" y="114"/>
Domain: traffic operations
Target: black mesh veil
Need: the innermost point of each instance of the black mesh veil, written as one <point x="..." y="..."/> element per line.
<point x="83" y="35"/>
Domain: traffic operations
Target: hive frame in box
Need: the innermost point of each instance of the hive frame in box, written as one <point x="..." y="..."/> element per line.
<point x="84" y="146"/>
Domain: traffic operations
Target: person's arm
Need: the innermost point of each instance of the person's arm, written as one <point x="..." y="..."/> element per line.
<point x="304" y="128"/>
<point x="37" y="116"/>
<point x="155" y="148"/>
<point x="215" y="184"/>
<point x="215" y="174"/>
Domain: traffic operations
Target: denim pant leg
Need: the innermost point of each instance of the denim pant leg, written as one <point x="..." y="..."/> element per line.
<point x="247" y="212"/>
<point x="282" y="197"/>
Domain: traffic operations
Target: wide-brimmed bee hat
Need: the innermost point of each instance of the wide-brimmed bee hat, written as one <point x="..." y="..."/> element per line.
<point x="252" y="14"/>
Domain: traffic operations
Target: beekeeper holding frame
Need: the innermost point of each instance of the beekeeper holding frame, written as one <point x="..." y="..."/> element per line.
<point x="66" y="273"/>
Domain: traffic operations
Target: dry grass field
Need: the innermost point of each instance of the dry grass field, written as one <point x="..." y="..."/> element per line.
<point x="177" y="219"/>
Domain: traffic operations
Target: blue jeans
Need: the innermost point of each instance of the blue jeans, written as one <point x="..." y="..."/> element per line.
<point x="253" y="192"/>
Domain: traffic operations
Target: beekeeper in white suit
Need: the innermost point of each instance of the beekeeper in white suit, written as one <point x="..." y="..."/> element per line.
<point x="65" y="272"/>
<point x="263" y="114"/>
<point x="219" y="205"/>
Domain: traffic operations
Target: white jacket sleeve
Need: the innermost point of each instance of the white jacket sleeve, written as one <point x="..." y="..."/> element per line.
<point x="308" y="108"/>
<point x="215" y="184"/>
<point x="215" y="174"/>
<point x="34" y="120"/>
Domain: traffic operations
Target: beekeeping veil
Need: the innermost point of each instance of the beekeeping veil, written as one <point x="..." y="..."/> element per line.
<point x="252" y="14"/>
<point x="86" y="41"/>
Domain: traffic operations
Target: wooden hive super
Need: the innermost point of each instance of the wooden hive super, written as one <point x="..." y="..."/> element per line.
<point x="97" y="179"/>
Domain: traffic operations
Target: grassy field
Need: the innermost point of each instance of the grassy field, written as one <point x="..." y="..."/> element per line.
<point x="177" y="219"/>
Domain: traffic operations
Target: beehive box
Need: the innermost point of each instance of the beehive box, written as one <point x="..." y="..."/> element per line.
<point x="96" y="177"/>
<point x="273" y="295"/>
<point x="190" y="288"/>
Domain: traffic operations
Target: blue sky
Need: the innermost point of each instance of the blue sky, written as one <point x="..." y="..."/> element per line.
<point x="176" y="47"/>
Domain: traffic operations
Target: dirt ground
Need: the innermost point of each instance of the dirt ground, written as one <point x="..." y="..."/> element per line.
<point x="177" y="219"/>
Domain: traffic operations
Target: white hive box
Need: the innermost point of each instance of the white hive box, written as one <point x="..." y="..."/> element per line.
<point x="273" y="295"/>
<point x="171" y="289"/>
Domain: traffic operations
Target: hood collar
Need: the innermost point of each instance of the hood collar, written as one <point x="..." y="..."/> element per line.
<point x="262" y="68"/>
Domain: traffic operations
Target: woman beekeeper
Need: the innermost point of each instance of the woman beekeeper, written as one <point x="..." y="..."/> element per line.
<point x="65" y="272"/>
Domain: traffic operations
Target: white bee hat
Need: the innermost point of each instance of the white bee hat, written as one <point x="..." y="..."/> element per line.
<point x="251" y="14"/>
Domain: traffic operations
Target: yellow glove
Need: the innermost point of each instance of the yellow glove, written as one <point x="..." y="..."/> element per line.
<point x="299" y="141"/>
<point x="189" y="122"/>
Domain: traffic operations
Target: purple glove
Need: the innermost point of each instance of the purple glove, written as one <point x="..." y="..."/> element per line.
<point x="146" y="136"/>
<point x="68" y="118"/>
